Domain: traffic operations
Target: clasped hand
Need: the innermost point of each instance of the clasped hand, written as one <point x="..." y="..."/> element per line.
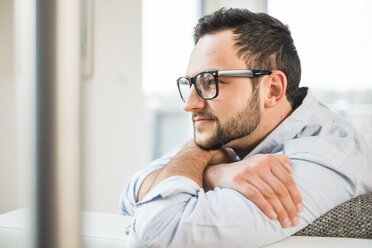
<point x="263" y="179"/>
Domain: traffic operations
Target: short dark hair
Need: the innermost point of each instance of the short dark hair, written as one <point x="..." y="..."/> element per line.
<point x="263" y="41"/>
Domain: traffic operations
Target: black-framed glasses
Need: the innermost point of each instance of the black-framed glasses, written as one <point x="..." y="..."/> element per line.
<point x="206" y="82"/>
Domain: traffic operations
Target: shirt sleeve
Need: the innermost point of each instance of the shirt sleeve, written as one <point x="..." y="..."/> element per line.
<point x="177" y="213"/>
<point x="128" y="199"/>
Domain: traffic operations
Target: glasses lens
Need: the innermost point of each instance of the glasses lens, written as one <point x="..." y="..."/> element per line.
<point x="206" y="85"/>
<point x="184" y="88"/>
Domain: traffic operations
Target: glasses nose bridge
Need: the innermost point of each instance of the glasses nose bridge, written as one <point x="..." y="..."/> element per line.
<point x="194" y="89"/>
<point x="197" y="87"/>
<point x="193" y="82"/>
<point x="194" y="101"/>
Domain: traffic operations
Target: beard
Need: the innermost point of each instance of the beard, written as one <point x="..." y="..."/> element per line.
<point x="240" y="125"/>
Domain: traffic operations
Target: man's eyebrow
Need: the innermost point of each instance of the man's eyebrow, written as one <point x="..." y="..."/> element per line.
<point x="207" y="69"/>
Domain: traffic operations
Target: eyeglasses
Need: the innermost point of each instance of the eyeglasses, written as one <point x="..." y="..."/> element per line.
<point x="206" y="83"/>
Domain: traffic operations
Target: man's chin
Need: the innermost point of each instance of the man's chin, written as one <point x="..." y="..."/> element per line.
<point x="208" y="144"/>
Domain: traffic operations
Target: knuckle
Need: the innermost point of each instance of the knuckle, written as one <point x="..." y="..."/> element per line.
<point x="288" y="181"/>
<point x="281" y="192"/>
<point x="246" y="169"/>
<point x="282" y="213"/>
<point x="292" y="212"/>
<point x="269" y="194"/>
<point x="249" y="171"/>
<point x="286" y="158"/>
<point x="263" y="206"/>
<point x="269" y="157"/>
<point x="251" y="192"/>
<point x="235" y="178"/>
<point x="296" y="195"/>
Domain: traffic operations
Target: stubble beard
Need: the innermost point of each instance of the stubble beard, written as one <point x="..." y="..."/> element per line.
<point x="239" y="126"/>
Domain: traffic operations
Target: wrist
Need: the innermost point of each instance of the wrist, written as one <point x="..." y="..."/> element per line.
<point x="221" y="156"/>
<point x="207" y="182"/>
<point x="195" y="154"/>
<point x="210" y="177"/>
<point x="190" y="162"/>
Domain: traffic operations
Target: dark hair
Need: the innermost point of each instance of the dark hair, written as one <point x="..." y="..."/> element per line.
<point x="263" y="41"/>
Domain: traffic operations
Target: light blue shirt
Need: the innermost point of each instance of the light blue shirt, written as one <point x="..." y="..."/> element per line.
<point x="331" y="163"/>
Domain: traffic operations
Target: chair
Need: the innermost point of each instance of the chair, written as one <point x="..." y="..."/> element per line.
<point x="352" y="219"/>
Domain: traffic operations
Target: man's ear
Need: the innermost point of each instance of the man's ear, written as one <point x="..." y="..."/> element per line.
<point x="276" y="86"/>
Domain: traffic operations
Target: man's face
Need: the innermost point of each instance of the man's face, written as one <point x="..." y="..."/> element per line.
<point x="235" y="113"/>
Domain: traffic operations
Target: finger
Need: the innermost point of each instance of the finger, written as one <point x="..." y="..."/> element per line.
<point x="285" y="161"/>
<point x="285" y="199"/>
<point x="291" y="186"/>
<point x="271" y="197"/>
<point x="230" y="155"/>
<point x="288" y="180"/>
<point x="250" y="192"/>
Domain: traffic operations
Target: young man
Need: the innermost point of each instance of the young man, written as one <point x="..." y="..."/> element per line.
<point x="267" y="158"/>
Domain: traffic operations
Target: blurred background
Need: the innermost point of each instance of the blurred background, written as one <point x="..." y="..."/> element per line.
<point x="133" y="51"/>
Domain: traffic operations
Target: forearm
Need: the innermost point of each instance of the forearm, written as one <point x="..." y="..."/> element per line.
<point x="130" y="194"/>
<point x="182" y="216"/>
<point x="147" y="183"/>
<point x="209" y="178"/>
<point x="189" y="162"/>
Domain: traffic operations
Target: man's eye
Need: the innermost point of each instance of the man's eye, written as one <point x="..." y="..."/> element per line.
<point x="208" y="82"/>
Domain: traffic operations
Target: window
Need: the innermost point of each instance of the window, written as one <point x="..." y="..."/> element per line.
<point x="334" y="42"/>
<point x="167" y="44"/>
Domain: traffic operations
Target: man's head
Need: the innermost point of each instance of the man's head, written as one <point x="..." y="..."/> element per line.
<point x="237" y="39"/>
<point x="263" y="42"/>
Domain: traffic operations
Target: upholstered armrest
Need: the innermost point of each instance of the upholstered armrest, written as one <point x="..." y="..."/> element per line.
<point x="352" y="219"/>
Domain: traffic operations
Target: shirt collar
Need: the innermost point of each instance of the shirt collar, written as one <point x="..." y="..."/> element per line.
<point x="289" y="127"/>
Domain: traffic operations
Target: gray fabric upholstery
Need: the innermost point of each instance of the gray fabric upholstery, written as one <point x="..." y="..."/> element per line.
<point x="352" y="219"/>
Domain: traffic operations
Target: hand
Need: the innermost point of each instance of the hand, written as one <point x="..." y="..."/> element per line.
<point x="196" y="160"/>
<point x="263" y="179"/>
<point x="212" y="157"/>
<point x="221" y="156"/>
<point x="190" y="152"/>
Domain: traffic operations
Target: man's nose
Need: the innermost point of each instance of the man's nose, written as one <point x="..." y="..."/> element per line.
<point x="194" y="102"/>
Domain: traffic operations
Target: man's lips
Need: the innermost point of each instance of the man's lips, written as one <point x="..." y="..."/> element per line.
<point x="201" y="120"/>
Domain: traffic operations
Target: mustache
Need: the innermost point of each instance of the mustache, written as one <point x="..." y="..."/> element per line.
<point x="208" y="115"/>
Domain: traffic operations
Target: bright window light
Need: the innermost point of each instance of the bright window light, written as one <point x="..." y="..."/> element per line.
<point x="333" y="38"/>
<point x="167" y="43"/>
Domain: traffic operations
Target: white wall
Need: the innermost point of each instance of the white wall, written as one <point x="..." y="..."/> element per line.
<point x="114" y="137"/>
<point x="115" y="140"/>
<point x="8" y="168"/>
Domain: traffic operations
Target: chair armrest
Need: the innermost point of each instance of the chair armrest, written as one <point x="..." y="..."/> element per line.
<point x="352" y="219"/>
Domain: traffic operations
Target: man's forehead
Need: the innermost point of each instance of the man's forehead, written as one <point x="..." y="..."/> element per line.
<point x="215" y="52"/>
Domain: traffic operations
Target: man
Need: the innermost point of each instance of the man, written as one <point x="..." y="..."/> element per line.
<point x="267" y="158"/>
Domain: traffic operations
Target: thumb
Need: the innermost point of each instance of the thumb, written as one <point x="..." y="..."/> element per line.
<point x="230" y="154"/>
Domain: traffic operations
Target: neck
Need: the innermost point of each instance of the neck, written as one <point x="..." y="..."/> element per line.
<point x="270" y="119"/>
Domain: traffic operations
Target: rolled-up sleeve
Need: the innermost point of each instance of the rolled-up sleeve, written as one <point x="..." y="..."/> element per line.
<point x="177" y="213"/>
<point x="129" y="195"/>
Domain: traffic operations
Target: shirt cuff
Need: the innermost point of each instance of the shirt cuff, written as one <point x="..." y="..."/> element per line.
<point x="170" y="186"/>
